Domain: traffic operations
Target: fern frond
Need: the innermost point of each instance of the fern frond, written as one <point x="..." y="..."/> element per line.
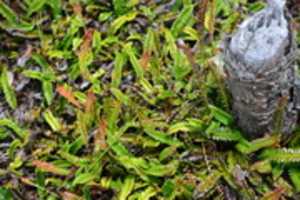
<point x="247" y="147"/>
<point x="209" y="182"/>
<point x="216" y="132"/>
<point x="294" y="174"/>
<point x="226" y="135"/>
<point x="283" y="155"/>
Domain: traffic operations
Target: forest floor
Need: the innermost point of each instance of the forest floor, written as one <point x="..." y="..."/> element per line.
<point x="122" y="99"/>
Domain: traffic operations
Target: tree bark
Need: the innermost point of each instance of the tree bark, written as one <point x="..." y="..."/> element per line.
<point x="261" y="74"/>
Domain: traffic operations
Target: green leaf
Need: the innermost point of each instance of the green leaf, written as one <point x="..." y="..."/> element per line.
<point x="148" y="193"/>
<point x="221" y="115"/>
<point x="146" y="85"/>
<point x="162" y="137"/>
<point x="209" y="182"/>
<point x="5" y="194"/>
<point x="77" y="161"/>
<point x="85" y="59"/>
<point x="134" y="61"/>
<point x="120" y="6"/>
<point x="52" y="121"/>
<point x="7" y="13"/>
<point x="249" y="147"/>
<point x="181" y="67"/>
<point x="120" y="21"/>
<point x="167" y="153"/>
<point x="294" y="173"/>
<point x="3" y="134"/>
<point x="182" y="20"/>
<point x="34" y="6"/>
<point x="157" y="169"/>
<point x="22" y="26"/>
<point x="13" y="126"/>
<point x="120" y="96"/>
<point x="223" y="133"/>
<point x="262" y="167"/>
<point x="46" y="80"/>
<point x="13" y="147"/>
<point x="192" y="33"/>
<point x="41" y="61"/>
<point x="83" y="178"/>
<point x="48" y="91"/>
<point x="210" y="16"/>
<point x="168" y="189"/>
<point x="283" y="155"/>
<point x="13" y="21"/>
<point x="151" y="168"/>
<point x="41" y="76"/>
<point x="97" y="41"/>
<point x="55" y="6"/>
<point x="149" y="43"/>
<point x="16" y="163"/>
<point x="116" y="145"/>
<point x="127" y="188"/>
<point x="104" y="16"/>
<point x="33" y="74"/>
<point x="47" y="76"/>
<point x="119" y="62"/>
<point x="9" y="93"/>
<point x="179" y="127"/>
<point x="171" y="44"/>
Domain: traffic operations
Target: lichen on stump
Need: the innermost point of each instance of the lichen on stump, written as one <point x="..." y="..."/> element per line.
<point x="261" y="72"/>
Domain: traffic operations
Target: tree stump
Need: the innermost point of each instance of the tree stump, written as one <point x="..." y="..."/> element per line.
<point x="261" y="73"/>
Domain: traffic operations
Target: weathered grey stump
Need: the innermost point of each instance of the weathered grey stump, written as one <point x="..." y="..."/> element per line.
<point x="261" y="72"/>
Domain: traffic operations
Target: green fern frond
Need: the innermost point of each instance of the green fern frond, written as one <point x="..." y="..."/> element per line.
<point x="294" y="174"/>
<point x="247" y="147"/>
<point x="216" y="132"/>
<point x="209" y="182"/>
<point x="226" y="134"/>
<point x="282" y="155"/>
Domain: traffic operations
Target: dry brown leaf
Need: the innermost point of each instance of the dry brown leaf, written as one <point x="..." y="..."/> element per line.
<point x="101" y="135"/>
<point x="48" y="167"/>
<point x="68" y="94"/>
<point x="144" y="61"/>
<point x="274" y="195"/>
<point x="70" y="196"/>
<point x="90" y="102"/>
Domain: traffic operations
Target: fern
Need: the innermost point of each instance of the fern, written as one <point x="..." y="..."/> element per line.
<point x="294" y="174"/>
<point x="226" y="134"/>
<point x="283" y="155"/>
<point x="221" y="115"/>
<point x="216" y="132"/>
<point x="209" y="182"/>
<point x="247" y="147"/>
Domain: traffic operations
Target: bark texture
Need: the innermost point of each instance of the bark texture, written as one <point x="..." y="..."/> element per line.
<point x="261" y="72"/>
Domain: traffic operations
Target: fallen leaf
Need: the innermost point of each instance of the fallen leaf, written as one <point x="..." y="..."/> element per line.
<point x="70" y="196"/>
<point x="144" y="61"/>
<point x="90" y="102"/>
<point x="68" y="94"/>
<point x="101" y="135"/>
<point x="48" y="167"/>
<point x="274" y="195"/>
